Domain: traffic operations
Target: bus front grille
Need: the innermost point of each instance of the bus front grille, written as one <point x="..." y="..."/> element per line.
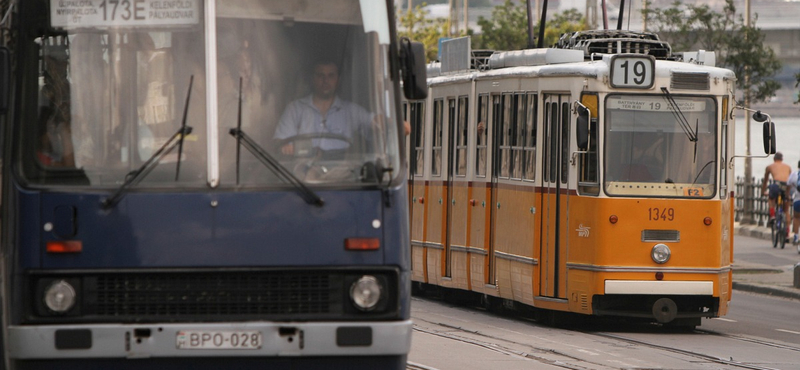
<point x="211" y="294"/>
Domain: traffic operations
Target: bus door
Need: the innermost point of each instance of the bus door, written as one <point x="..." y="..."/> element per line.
<point x="552" y="257"/>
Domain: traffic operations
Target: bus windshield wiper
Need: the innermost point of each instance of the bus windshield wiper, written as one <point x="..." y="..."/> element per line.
<point x="242" y="139"/>
<point x="279" y="170"/>
<point x="678" y="113"/>
<point x="140" y="173"/>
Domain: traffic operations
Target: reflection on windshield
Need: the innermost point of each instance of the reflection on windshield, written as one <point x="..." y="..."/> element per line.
<point x="108" y="98"/>
<point x="648" y="153"/>
<point x="313" y="95"/>
<point x="317" y="109"/>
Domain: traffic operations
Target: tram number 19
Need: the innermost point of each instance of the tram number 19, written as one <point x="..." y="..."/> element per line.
<point x="632" y="72"/>
<point x="661" y="214"/>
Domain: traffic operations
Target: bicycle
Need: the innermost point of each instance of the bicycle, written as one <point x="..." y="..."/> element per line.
<point x="779" y="233"/>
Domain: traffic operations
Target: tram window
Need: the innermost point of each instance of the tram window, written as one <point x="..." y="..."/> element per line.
<point x="589" y="183"/>
<point x="644" y="147"/>
<point x="518" y="141"/>
<point x="404" y="109"/>
<point x="553" y="146"/>
<point x="723" y="169"/>
<point x="480" y="141"/>
<point x="452" y="131"/>
<point x="564" y="142"/>
<point x="418" y="133"/>
<point x="530" y="141"/>
<point x="506" y="130"/>
<point x="436" y="146"/>
<point x="461" y="137"/>
<point x="497" y="124"/>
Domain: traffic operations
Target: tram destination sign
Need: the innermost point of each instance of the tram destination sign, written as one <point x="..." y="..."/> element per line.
<point x="123" y="13"/>
<point x="632" y="71"/>
<point x="653" y="103"/>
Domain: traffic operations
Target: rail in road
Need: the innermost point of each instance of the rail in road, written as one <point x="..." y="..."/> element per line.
<point x="454" y="337"/>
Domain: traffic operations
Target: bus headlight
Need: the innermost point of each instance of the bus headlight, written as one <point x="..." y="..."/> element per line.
<point x="60" y="296"/>
<point x="660" y="253"/>
<point x="366" y="292"/>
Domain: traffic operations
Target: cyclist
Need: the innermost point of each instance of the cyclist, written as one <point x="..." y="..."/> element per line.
<point x="794" y="190"/>
<point x="780" y="175"/>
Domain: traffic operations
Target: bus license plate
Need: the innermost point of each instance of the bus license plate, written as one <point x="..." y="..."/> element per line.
<point x="219" y="339"/>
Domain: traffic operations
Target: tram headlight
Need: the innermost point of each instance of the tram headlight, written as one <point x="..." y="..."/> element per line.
<point x="60" y="296"/>
<point x="660" y="253"/>
<point x="366" y="292"/>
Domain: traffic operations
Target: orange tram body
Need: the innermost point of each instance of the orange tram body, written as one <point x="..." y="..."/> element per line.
<point x="581" y="179"/>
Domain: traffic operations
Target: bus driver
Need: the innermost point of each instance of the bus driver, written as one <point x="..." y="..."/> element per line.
<point x="323" y="112"/>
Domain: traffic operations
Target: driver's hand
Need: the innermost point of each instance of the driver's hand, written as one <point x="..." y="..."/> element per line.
<point x="288" y="149"/>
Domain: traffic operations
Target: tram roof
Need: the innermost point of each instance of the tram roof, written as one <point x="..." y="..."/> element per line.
<point x="591" y="69"/>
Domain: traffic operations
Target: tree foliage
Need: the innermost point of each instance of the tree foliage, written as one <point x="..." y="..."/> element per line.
<point x="797" y="84"/>
<point x="737" y="46"/>
<point x="507" y="29"/>
<point x="417" y="26"/>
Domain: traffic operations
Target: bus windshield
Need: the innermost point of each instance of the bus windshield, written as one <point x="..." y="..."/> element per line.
<point x="649" y="153"/>
<point x="304" y="82"/>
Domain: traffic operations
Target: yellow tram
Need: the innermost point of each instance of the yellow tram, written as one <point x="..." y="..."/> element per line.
<point x="593" y="178"/>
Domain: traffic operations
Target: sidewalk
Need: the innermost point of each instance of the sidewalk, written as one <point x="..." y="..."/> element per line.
<point x="754" y="276"/>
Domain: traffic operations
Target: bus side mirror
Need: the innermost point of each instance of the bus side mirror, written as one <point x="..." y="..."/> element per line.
<point x="582" y="129"/>
<point x="415" y="79"/>
<point x="5" y="81"/>
<point x="769" y="136"/>
<point x="760" y="117"/>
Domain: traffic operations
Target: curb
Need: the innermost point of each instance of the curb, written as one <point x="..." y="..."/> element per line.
<point x="753" y="231"/>
<point x="764" y="233"/>
<point x="767" y="290"/>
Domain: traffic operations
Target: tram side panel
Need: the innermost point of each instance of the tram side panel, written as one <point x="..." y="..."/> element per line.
<point x="514" y="230"/>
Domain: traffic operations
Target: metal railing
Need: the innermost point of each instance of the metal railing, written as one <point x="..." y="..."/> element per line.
<point x="750" y="191"/>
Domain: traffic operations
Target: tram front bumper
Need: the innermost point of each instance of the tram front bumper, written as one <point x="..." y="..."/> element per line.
<point x="663" y="301"/>
<point x="659" y="287"/>
<point x="210" y="340"/>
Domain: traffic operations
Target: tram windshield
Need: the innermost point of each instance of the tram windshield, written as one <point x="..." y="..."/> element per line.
<point x="111" y="84"/>
<point x="649" y="152"/>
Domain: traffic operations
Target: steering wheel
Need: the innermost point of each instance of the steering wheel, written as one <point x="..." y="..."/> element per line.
<point x="303" y="145"/>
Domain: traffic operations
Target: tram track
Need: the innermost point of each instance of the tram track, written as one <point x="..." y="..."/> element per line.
<point x="750" y="340"/>
<point x="698" y="355"/>
<point x="498" y="348"/>
<point x="523" y="349"/>
<point x="415" y="366"/>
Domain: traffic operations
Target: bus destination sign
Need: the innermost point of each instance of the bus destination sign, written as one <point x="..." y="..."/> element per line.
<point x="123" y="13"/>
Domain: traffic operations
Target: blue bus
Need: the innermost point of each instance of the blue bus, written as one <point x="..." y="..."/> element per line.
<point x="204" y="184"/>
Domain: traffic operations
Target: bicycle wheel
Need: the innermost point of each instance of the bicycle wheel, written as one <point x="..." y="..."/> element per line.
<point x="782" y="239"/>
<point x="776" y="231"/>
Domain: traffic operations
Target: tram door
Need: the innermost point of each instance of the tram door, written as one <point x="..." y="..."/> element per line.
<point x="497" y="126"/>
<point x="555" y="194"/>
<point x="452" y="116"/>
<point x="457" y="190"/>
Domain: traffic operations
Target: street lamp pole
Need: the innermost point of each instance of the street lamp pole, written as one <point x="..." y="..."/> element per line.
<point x="748" y="162"/>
